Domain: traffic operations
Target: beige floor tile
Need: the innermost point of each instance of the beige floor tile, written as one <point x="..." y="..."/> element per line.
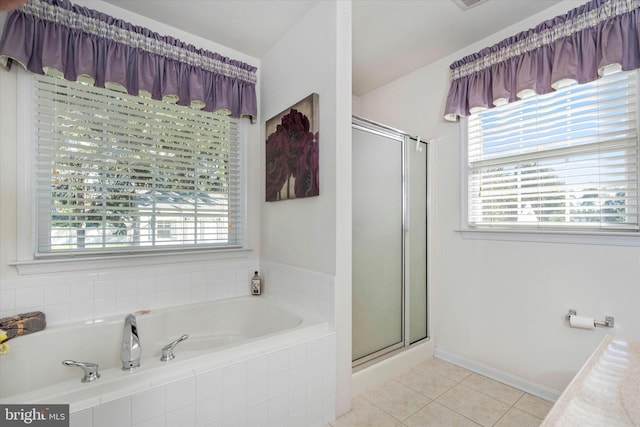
<point x="534" y="405"/>
<point x="365" y="414"/>
<point x="472" y="404"/>
<point x="438" y="393"/>
<point x="396" y="399"/>
<point x="495" y="389"/>
<point x="446" y="369"/>
<point x="517" y="418"/>
<point x="426" y="382"/>
<point x="436" y="415"/>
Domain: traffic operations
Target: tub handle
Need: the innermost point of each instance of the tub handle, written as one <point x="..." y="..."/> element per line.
<point x="90" y="370"/>
<point x="167" y="350"/>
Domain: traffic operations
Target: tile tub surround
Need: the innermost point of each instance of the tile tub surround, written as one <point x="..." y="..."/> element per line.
<point x="281" y="384"/>
<point x="306" y="290"/>
<point x="91" y="295"/>
<point x="606" y="391"/>
<point x="437" y="393"/>
<point x="293" y="386"/>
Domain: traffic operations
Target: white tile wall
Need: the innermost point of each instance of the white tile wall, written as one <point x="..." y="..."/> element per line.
<point x="291" y="387"/>
<point x="144" y="406"/>
<point x="79" y="296"/>
<point x="116" y="413"/>
<point x="81" y="418"/>
<point x="310" y="291"/>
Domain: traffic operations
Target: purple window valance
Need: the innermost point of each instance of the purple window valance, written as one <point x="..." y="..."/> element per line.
<point x="56" y="36"/>
<point x="589" y="41"/>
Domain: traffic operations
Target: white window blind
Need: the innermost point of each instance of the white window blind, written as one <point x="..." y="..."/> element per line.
<point x="564" y="160"/>
<point x="118" y="173"/>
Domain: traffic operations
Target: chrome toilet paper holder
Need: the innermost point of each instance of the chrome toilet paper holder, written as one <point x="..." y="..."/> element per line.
<point x="609" y="321"/>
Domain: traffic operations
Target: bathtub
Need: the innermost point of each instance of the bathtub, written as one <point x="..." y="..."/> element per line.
<point x="224" y="335"/>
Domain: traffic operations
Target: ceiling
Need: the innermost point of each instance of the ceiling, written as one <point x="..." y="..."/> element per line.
<point x="391" y="38"/>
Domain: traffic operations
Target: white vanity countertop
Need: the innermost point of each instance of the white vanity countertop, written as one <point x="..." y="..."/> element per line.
<point x="606" y="391"/>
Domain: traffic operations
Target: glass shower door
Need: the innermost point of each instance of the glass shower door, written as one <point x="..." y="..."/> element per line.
<point x="377" y="236"/>
<point x="389" y="241"/>
<point x="416" y="242"/>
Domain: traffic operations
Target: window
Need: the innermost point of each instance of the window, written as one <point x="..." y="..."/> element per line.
<point x="117" y="173"/>
<point x="564" y="161"/>
<point x="164" y="229"/>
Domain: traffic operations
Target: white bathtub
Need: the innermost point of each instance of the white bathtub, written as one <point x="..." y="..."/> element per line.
<point x="221" y="333"/>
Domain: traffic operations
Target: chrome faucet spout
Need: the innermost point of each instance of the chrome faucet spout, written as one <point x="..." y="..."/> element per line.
<point x="131" y="350"/>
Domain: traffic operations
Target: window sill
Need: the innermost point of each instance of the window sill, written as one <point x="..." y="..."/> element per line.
<point x="549" y="236"/>
<point x="58" y="265"/>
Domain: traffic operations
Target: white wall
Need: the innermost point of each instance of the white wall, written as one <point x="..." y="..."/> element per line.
<point x="314" y="234"/>
<point x="91" y="294"/>
<point x="301" y="232"/>
<point x="501" y="306"/>
<point x="355" y="104"/>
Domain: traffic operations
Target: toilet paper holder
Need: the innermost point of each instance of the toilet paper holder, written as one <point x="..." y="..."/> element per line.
<point x="608" y="320"/>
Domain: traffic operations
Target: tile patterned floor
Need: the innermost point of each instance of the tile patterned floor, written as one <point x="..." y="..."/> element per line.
<point x="437" y="393"/>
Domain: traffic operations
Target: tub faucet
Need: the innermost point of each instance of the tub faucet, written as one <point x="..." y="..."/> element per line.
<point x="131" y="351"/>
<point x="167" y="350"/>
<point x="90" y="370"/>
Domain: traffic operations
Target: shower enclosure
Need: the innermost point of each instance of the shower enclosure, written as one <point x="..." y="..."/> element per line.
<point x="389" y="240"/>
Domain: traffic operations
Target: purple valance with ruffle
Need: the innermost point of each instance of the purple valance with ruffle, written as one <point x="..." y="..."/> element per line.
<point x="589" y="41"/>
<point x="58" y="37"/>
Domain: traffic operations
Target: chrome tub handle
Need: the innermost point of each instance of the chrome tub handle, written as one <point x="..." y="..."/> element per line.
<point x="167" y="350"/>
<point x="90" y="370"/>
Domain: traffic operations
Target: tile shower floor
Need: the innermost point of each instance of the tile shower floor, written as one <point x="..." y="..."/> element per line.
<point x="437" y="393"/>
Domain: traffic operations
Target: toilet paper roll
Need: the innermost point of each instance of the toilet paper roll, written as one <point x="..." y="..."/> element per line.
<point x="582" y="322"/>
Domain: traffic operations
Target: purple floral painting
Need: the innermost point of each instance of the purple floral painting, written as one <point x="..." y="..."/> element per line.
<point x="292" y="152"/>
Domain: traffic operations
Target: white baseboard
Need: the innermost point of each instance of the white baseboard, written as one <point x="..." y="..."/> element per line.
<point x="538" y="390"/>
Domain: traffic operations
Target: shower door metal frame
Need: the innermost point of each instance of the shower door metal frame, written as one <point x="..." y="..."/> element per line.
<point x="403" y="138"/>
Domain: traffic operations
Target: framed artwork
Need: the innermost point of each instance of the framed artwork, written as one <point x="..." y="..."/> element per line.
<point x="292" y="152"/>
